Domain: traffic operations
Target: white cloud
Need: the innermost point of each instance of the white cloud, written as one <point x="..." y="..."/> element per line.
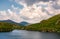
<point x="14" y="16"/>
<point x="34" y="12"/>
<point x="10" y="14"/>
<point x="3" y="15"/>
<point x="38" y="11"/>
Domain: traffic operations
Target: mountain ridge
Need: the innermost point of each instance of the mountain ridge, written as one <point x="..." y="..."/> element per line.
<point x="10" y="21"/>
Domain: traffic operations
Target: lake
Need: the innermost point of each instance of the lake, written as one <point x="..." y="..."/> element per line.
<point x="23" y="34"/>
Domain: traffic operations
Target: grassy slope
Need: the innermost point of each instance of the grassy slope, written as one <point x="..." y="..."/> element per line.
<point x="6" y="27"/>
<point x="50" y="25"/>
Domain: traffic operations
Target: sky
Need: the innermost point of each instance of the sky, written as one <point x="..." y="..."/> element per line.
<point x="31" y="11"/>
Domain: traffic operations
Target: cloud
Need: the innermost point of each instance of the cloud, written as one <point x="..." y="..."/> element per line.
<point x="11" y="14"/>
<point x="33" y="11"/>
<point x="31" y="2"/>
<point x="37" y="10"/>
<point x="3" y="15"/>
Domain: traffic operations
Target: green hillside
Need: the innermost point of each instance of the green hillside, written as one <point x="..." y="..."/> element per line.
<point x="50" y="25"/>
<point x="7" y="27"/>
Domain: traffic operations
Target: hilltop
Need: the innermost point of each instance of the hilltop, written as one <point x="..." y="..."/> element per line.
<point x="50" y="25"/>
<point x="7" y="27"/>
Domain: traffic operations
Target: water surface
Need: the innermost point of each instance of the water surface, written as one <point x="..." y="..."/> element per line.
<point x="23" y="34"/>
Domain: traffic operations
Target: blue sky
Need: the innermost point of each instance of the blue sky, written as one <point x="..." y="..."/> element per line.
<point x="6" y="4"/>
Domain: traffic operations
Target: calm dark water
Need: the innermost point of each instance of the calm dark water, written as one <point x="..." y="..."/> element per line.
<point x="22" y="34"/>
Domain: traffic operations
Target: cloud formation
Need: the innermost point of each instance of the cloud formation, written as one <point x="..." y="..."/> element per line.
<point x="36" y="10"/>
<point x="31" y="2"/>
<point x="33" y="12"/>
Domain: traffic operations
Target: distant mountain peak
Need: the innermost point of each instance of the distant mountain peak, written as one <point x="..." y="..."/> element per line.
<point x="24" y="23"/>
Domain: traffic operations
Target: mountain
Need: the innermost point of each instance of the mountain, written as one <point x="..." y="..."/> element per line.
<point x="10" y="21"/>
<point x="24" y="23"/>
<point x="50" y="25"/>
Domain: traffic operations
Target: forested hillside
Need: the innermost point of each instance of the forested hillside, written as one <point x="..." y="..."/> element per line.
<point x="7" y="27"/>
<point x="50" y="25"/>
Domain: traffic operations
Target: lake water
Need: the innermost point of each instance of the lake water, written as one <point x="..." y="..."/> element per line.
<point x="23" y="34"/>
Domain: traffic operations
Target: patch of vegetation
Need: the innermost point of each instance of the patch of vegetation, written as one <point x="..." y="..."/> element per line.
<point x="7" y="27"/>
<point x="50" y="25"/>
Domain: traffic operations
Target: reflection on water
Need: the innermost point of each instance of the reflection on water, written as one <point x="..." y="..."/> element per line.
<point x="23" y="34"/>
